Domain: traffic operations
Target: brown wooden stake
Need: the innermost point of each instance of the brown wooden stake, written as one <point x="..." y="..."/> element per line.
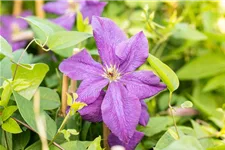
<point x="64" y="97"/>
<point x="39" y="8"/>
<point x="106" y="133"/>
<point x="17" y="7"/>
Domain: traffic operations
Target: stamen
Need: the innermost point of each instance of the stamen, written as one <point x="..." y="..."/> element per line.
<point x="111" y="72"/>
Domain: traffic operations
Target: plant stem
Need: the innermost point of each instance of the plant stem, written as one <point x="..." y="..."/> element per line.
<point x="14" y="74"/>
<point x="106" y="133"/>
<point x="17" y="7"/>
<point x="171" y="112"/>
<point x="27" y="126"/>
<point x="61" y="127"/>
<point x="6" y="141"/>
<point x="64" y="97"/>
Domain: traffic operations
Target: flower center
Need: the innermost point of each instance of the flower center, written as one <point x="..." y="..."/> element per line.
<point x="73" y="6"/>
<point x="15" y="28"/>
<point x="111" y="73"/>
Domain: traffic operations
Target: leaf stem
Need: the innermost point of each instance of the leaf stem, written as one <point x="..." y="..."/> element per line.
<point x="27" y="126"/>
<point x="171" y="112"/>
<point x="14" y="74"/>
<point x="61" y="127"/>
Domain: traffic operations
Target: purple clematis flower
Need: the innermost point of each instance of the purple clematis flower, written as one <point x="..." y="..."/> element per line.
<point x="121" y="106"/>
<point x="10" y="25"/>
<point x="67" y="10"/>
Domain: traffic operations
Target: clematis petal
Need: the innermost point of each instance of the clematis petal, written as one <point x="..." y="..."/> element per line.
<point x="92" y="112"/>
<point x="118" y="111"/>
<point x="132" y="52"/>
<point x="90" y="89"/>
<point x="66" y="21"/>
<point x="143" y="84"/>
<point x="136" y="138"/>
<point x="144" y="114"/>
<point x="107" y="35"/>
<point x="81" y="66"/>
<point x="92" y="8"/>
<point x="58" y="7"/>
<point x="18" y="45"/>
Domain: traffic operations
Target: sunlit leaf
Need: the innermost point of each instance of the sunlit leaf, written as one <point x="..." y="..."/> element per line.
<point x="186" y="104"/>
<point x="7" y="112"/>
<point x="42" y="28"/>
<point x="166" y="74"/>
<point x="215" y="82"/>
<point x="11" y="126"/>
<point x="185" y="143"/>
<point x="5" y="49"/>
<point x="32" y="75"/>
<point x="202" y="67"/>
<point x="96" y="144"/>
<point x="66" y="39"/>
<point x="185" y="31"/>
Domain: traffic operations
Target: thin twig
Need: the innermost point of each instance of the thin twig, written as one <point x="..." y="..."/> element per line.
<point x="14" y="74"/>
<point x="171" y="111"/>
<point x="27" y="126"/>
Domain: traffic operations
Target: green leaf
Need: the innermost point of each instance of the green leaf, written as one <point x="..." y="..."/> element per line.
<point x="204" y="66"/>
<point x="215" y="83"/>
<point x="28" y="79"/>
<point x="66" y="134"/>
<point x="21" y="140"/>
<point x="205" y="142"/>
<point x="5" y="64"/>
<point x="74" y="145"/>
<point x="66" y="39"/>
<point x="73" y="131"/>
<point x="11" y="126"/>
<point x="171" y="136"/>
<point x="6" y="140"/>
<point x="35" y="146"/>
<point x="6" y="93"/>
<point x="2" y="147"/>
<point x="185" y="143"/>
<point x="156" y="125"/>
<point x="185" y="31"/>
<point x="7" y="112"/>
<point x="96" y="144"/>
<point x="49" y="99"/>
<point x="220" y="147"/>
<point x="166" y="74"/>
<point x="26" y="110"/>
<point x="5" y="49"/>
<point x="42" y="28"/>
<point x="186" y="104"/>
